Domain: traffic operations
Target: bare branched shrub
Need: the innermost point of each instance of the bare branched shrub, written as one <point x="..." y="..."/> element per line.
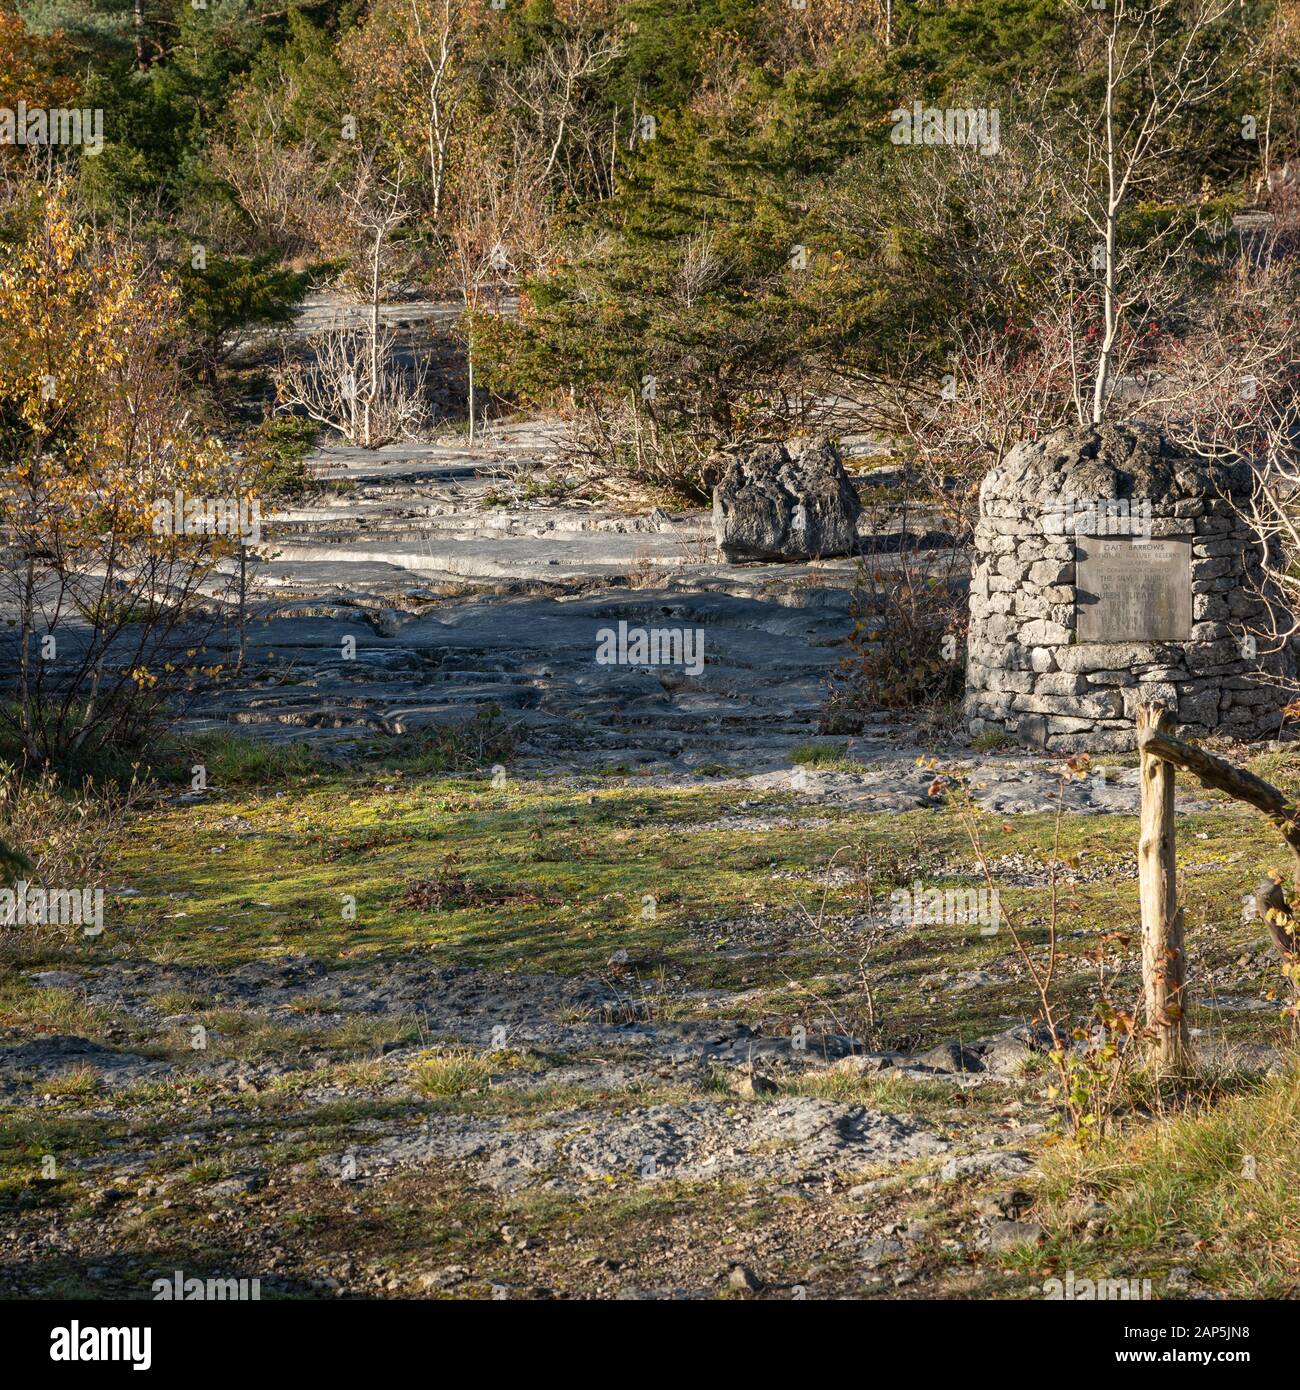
<point x="281" y="179"/>
<point x="352" y="381"/>
<point x="617" y="439"/>
<point x="861" y="1018"/>
<point x="497" y="231"/>
<point x="1024" y="348"/>
<point x="67" y="836"/>
<point x="909" y="628"/>
<point x="1230" y="389"/>
<point x="1062" y="267"/>
<point x="548" y="87"/>
<point x="909" y="607"/>
<point x="1106" y="155"/>
<point x="1092" y="1075"/>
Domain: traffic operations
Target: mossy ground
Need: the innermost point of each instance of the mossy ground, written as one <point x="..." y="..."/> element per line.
<point x="557" y="875"/>
<point x="703" y="894"/>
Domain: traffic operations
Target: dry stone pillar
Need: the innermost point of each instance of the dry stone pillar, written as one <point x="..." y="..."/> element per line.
<point x="1113" y="570"/>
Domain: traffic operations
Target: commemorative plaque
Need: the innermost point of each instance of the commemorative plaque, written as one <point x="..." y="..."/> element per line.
<point x="1128" y="589"/>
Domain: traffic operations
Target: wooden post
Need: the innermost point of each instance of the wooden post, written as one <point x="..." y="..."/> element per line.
<point x="1164" y="958"/>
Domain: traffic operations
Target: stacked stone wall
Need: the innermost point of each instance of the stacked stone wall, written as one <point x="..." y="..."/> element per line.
<point x="1027" y="676"/>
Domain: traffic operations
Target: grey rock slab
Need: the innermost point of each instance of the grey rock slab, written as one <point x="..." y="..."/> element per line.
<point x="464" y="1004"/>
<point x="765" y="665"/>
<point x="948" y="1057"/>
<point x="1008" y="1235"/>
<point x="891" y="781"/>
<point x="786" y="1139"/>
<point x="502" y="605"/>
<point x="44" y="1058"/>
<point x="56" y="979"/>
<point x="881" y="1252"/>
<point x="1002" y="1164"/>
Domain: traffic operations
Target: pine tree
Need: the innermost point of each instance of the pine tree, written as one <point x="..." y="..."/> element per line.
<point x="100" y="30"/>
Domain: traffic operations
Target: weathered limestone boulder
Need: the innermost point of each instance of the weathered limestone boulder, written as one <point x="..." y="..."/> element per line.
<point x="771" y="504"/>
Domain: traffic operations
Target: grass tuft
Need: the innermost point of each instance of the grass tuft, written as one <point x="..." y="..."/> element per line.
<point x="1214" y="1188"/>
<point x="830" y="755"/>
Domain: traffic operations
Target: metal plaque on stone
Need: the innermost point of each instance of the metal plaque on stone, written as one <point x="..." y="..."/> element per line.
<point x="1128" y="589"/>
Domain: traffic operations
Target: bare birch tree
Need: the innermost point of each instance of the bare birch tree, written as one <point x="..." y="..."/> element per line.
<point x="550" y="88"/>
<point x="352" y="380"/>
<point x="438" y="42"/>
<point x="1156" y="72"/>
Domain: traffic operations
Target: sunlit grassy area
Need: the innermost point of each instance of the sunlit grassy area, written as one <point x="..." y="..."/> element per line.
<point x="556" y="874"/>
<point x="781" y="907"/>
<point x="1212" y="1187"/>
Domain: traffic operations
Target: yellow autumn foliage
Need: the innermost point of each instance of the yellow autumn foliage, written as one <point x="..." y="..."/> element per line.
<point x="95" y="430"/>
